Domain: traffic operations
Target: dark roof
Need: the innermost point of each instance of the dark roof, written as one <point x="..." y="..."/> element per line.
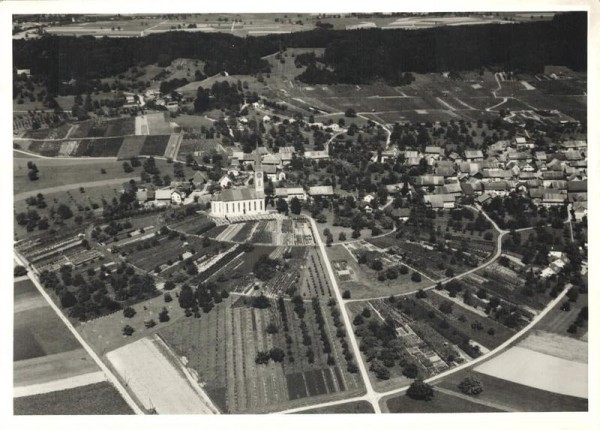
<point x="237" y="194"/>
<point x="577" y="186"/>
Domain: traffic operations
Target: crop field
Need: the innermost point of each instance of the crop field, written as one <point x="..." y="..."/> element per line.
<point x="197" y="224"/>
<point x="104" y="128"/>
<point x="155" y="145"/>
<point x="315" y="282"/>
<point x="131" y="147"/>
<point x="360" y="407"/>
<point x="148" y="258"/>
<point x="49" y="133"/>
<point x="538" y="370"/>
<point x="158" y="123"/>
<point x="103" y="147"/>
<point x="231" y="337"/>
<point x="157" y="379"/>
<point x="514" y="396"/>
<point x="96" y="399"/>
<point x="441" y="403"/>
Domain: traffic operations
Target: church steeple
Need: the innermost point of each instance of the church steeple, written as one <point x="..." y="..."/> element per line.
<point x="259" y="184"/>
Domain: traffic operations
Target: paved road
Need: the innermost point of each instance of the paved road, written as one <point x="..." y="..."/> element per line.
<point x="68" y="187"/>
<point x="496" y="255"/>
<point x="109" y="375"/>
<point x="371" y="395"/>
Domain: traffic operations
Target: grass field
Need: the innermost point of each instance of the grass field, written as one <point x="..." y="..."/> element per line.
<point x="515" y="396"/>
<point x="441" y="403"/>
<point x="95" y="399"/>
<point x="38" y="331"/>
<point x="365" y="284"/>
<point x="360" y="407"/>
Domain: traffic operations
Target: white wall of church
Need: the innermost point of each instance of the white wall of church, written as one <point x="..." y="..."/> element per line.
<point x="237" y="208"/>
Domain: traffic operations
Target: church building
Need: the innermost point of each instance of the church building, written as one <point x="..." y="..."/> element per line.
<point x="241" y="201"/>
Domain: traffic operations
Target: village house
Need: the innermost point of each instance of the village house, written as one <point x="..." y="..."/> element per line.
<point x="474" y="155"/>
<point x="289" y="193"/>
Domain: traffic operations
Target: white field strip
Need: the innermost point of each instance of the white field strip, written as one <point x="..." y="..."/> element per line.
<point x="230" y="232"/>
<point x="447" y="105"/>
<point x="527" y="85"/>
<point x="61" y="384"/>
<point x="29" y="303"/>
<point x="156" y="381"/>
<point x="141" y="125"/>
<point x="538" y="370"/>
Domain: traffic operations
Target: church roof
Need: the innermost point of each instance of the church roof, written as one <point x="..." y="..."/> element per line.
<point x="234" y="195"/>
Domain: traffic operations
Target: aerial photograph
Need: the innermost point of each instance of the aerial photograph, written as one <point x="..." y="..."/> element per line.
<point x="299" y="213"/>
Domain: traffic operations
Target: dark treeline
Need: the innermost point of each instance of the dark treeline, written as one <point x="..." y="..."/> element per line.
<point x="361" y="56"/>
<point x="86" y="58"/>
<point x="358" y="56"/>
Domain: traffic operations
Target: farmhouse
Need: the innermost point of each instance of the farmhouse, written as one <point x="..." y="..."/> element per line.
<point x="440" y="201"/>
<point x="323" y="190"/>
<point x="475" y="155"/>
<point x="316" y="155"/>
<point x="290" y="193"/>
<point x="241" y="201"/>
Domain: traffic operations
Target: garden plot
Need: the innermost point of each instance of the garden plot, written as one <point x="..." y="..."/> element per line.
<point x="231" y="337"/>
<point x="173" y="145"/>
<point x="535" y="369"/>
<point x="157" y="378"/>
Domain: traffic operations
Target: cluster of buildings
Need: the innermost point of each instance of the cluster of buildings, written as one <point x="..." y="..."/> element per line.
<point x="549" y="178"/>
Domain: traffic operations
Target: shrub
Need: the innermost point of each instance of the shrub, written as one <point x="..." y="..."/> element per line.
<point x="420" y="390"/>
<point x="168" y="298"/>
<point x="346" y="294"/>
<point x="415" y="277"/>
<point x="20" y="271"/>
<point x="163" y="316"/>
<point x="471" y="386"/>
<point x="128" y="330"/>
<point x="129" y="312"/>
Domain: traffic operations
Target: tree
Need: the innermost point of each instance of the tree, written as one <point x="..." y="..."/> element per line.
<point x="342" y="236"/>
<point x="129" y="312"/>
<point x="420" y="390"/>
<point x="421" y="294"/>
<point x="64" y="211"/>
<point x="20" y="271"/>
<point x="67" y="299"/>
<point x="346" y="294"/>
<point x="262" y="357"/>
<point x="277" y="355"/>
<point x="282" y="206"/>
<point x="415" y="277"/>
<point x="470" y="386"/>
<point x="32" y="175"/>
<point x="295" y="206"/>
<point x="446" y="307"/>
<point x="163" y="316"/>
<point x="350" y="113"/>
<point x="410" y="370"/>
<point x="128" y="330"/>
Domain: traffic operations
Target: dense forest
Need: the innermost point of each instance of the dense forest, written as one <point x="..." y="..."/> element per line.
<point x="357" y="56"/>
